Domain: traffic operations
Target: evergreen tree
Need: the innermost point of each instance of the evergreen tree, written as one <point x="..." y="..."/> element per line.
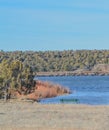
<point x="14" y="76"/>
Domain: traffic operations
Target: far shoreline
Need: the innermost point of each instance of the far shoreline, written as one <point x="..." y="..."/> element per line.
<point x="72" y="73"/>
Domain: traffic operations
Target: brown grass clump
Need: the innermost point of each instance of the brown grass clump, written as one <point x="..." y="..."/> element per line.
<point x="42" y="90"/>
<point x="47" y="89"/>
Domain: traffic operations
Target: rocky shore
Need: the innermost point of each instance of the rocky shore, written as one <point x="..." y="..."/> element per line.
<point x="100" y="69"/>
<point x="74" y="73"/>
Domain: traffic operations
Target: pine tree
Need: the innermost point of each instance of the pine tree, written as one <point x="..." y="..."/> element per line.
<point x="14" y="76"/>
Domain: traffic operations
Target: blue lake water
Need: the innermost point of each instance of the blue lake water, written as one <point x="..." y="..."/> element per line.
<point x="93" y="90"/>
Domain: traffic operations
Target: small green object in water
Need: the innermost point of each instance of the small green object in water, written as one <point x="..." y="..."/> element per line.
<point x="69" y="100"/>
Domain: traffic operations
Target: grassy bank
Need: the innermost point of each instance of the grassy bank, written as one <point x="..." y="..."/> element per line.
<point x="34" y="116"/>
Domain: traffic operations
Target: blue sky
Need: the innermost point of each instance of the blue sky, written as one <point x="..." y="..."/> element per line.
<point x="54" y="24"/>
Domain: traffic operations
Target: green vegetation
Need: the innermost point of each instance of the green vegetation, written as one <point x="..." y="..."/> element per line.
<point x="53" y="61"/>
<point x="14" y="76"/>
<point x="15" y="70"/>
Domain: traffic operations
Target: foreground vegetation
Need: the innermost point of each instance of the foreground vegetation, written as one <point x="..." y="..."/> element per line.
<point x="14" y="76"/>
<point x="17" y="81"/>
<point x="33" y="116"/>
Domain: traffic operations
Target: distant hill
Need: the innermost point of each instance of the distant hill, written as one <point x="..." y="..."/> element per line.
<point x="55" y="61"/>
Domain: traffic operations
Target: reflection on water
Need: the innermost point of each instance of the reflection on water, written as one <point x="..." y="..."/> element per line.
<point x="92" y="90"/>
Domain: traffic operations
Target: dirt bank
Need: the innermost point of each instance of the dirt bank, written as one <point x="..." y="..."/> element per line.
<point x="34" y="116"/>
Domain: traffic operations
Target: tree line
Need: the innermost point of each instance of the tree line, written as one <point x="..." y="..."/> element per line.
<point x="53" y="61"/>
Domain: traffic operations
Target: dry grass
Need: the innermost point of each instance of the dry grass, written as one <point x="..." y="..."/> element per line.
<point x="59" y="89"/>
<point x="41" y="90"/>
<point x="34" y="116"/>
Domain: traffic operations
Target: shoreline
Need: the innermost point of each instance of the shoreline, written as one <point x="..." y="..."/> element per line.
<point x="73" y="73"/>
<point x="28" y="115"/>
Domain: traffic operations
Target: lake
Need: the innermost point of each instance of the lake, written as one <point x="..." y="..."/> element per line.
<point x="93" y="90"/>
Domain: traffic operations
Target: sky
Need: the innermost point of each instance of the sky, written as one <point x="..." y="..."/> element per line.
<point x="41" y="25"/>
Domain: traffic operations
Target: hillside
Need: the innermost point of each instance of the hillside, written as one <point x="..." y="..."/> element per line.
<point x="59" y="61"/>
